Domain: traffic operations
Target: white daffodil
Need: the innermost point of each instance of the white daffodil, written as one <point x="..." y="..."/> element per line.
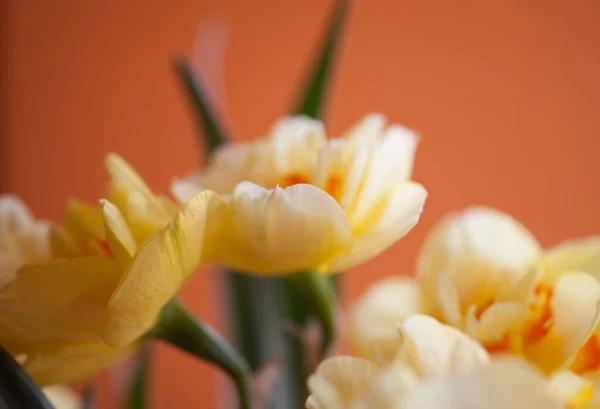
<point x="297" y="201"/>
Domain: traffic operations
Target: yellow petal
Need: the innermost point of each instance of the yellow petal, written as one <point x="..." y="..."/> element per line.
<point x="573" y="255"/>
<point x="84" y="220"/>
<point x="476" y="249"/>
<point x="373" y="319"/>
<point x="506" y="384"/>
<point x="338" y="381"/>
<point x="395" y="215"/>
<point x="283" y="230"/>
<point x="571" y="389"/>
<point x="72" y="362"/>
<point x="158" y="270"/>
<point x="575" y="316"/>
<point x="434" y="350"/>
<point x="61" y="397"/>
<point x="64" y="299"/>
<point x="120" y="240"/>
<point x="123" y="175"/>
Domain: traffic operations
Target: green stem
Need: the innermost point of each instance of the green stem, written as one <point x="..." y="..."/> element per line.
<point x="178" y="328"/>
<point x="138" y="398"/>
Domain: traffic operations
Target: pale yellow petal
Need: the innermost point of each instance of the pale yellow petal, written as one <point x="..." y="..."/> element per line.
<point x="283" y="230"/>
<point x="435" y="350"/>
<point x="500" y="320"/>
<point x="64" y="299"/>
<point x="72" y="362"/>
<point x="501" y="385"/>
<point x="123" y="175"/>
<point x="186" y="189"/>
<point x="449" y="302"/>
<point x="391" y="161"/>
<point x="373" y="319"/>
<point x="296" y="142"/>
<point x="571" y="389"/>
<point x="84" y="220"/>
<point x="118" y="235"/>
<point x="476" y="249"/>
<point x="573" y="255"/>
<point x="158" y="270"/>
<point x="338" y="381"/>
<point x="61" y="397"/>
<point x="395" y="215"/>
<point x="575" y="316"/>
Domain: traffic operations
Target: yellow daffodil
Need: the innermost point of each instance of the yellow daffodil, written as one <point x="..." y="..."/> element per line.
<point x="297" y="201"/>
<point x="114" y="268"/>
<point x="484" y="273"/>
<point x="22" y="239"/>
<point x="436" y="367"/>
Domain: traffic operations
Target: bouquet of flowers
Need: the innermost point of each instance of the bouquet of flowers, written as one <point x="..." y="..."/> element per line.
<point x="490" y="319"/>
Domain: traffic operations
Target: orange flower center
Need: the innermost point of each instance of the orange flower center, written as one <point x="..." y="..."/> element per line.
<point x="540" y="313"/>
<point x="103" y="244"/>
<point x="333" y="185"/>
<point x="588" y="357"/>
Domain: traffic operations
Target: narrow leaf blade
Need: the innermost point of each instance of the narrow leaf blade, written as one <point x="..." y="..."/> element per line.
<point x="211" y="128"/>
<point x="315" y="89"/>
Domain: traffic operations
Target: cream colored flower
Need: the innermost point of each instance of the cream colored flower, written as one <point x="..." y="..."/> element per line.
<point x="22" y="239"/>
<point x="345" y="200"/>
<point x="437" y="367"/>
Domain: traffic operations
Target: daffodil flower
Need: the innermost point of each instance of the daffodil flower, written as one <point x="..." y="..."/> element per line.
<point x="484" y="273"/>
<point x="114" y="269"/>
<point x="436" y="366"/>
<point x="297" y="201"/>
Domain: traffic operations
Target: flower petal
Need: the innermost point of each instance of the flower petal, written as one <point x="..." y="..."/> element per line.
<point x="573" y="255"/>
<point x="374" y="317"/>
<point x="574" y="391"/>
<point x="118" y="235"/>
<point x="64" y="299"/>
<point x="337" y="381"/>
<point x="395" y="216"/>
<point x="435" y="350"/>
<point x="158" y="270"/>
<point x="476" y="249"/>
<point x="506" y="384"/>
<point x="72" y="362"/>
<point x="283" y="230"/>
<point x="61" y="397"/>
<point x="574" y="308"/>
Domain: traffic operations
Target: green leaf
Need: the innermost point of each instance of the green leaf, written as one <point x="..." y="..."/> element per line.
<point x="315" y="89"/>
<point x="17" y="389"/>
<point x="319" y="299"/>
<point x="178" y="328"/>
<point x="208" y="123"/>
<point x="138" y="395"/>
<point x="89" y="397"/>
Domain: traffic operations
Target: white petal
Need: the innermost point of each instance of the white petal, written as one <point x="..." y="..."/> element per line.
<point x="394" y="217"/>
<point x="185" y="189"/>
<point x="501" y="385"/>
<point x="499" y="320"/>
<point x="575" y="316"/>
<point x="477" y="249"/>
<point x="436" y="350"/>
<point x="283" y="230"/>
<point x="374" y="317"/>
<point x="61" y="397"/>
<point x="573" y="255"/>
<point x="571" y="389"/>
<point x="338" y="381"/>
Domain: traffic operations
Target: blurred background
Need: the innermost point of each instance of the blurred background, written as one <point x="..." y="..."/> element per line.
<point x="505" y="96"/>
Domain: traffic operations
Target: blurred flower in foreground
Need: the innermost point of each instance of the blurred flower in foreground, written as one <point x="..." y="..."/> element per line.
<point x="436" y="367"/>
<point x="62" y="398"/>
<point x="345" y="200"/>
<point x="113" y="270"/>
<point x="484" y="273"/>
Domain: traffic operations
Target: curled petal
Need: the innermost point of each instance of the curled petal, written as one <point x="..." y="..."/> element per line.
<point x="283" y="230"/>
<point x="374" y="317"/>
<point x="435" y="350"/>
<point x="395" y="215"/>
<point x="158" y="270"/>
<point x="573" y="255"/>
<point x="574" y="306"/>
<point x="476" y="249"/>
<point x="118" y="235"/>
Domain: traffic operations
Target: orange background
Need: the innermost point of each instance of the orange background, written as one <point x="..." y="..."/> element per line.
<point x="504" y="94"/>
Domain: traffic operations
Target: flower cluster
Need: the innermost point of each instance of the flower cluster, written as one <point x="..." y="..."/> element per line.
<point x="484" y="274"/>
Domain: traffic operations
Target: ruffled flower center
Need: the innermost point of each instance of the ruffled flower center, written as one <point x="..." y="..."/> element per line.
<point x="333" y="186"/>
